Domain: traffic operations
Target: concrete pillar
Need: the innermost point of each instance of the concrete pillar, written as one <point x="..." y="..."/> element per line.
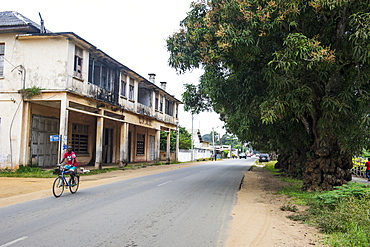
<point x="99" y="140"/>
<point x="168" y="151"/>
<point x="127" y="86"/>
<point x="63" y="126"/>
<point x="158" y="145"/>
<point x="177" y="143"/>
<point x="153" y="101"/>
<point x="26" y="133"/>
<point x="136" y="94"/>
<point x="123" y="155"/>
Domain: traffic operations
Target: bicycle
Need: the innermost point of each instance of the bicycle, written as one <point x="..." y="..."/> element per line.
<point x="61" y="181"/>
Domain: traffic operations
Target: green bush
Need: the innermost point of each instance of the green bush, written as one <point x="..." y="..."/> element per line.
<point x="342" y="214"/>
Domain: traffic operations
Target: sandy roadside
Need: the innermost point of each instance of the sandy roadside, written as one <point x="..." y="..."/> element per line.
<point x="17" y="190"/>
<point x="258" y="219"/>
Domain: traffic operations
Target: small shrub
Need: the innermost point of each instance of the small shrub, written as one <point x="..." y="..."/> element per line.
<point x="291" y="208"/>
<point x="32" y="91"/>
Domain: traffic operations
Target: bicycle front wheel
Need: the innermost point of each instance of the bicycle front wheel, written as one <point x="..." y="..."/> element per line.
<point x="58" y="187"/>
<point x="74" y="183"/>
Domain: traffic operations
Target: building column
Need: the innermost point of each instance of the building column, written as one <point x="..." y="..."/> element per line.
<point x="136" y="94"/>
<point x="99" y="140"/>
<point x="127" y="87"/>
<point x="158" y="145"/>
<point x="177" y="143"/>
<point x="63" y="127"/>
<point x="168" y="151"/>
<point x="123" y="155"/>
<point x="26" y="132"/>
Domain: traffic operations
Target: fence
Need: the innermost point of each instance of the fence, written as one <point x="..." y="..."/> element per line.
<point x="359" y="168"/>
<point x="186" y="155"/>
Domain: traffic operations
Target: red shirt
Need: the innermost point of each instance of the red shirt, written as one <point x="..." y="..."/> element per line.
<point x="69" y="157"/>
<point x="367" y="164"/>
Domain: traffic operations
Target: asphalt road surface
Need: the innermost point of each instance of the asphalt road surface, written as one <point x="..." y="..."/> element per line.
<point x="186" y="207"/>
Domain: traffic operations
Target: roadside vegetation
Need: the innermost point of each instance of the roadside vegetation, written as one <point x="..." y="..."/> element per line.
<point x="342" y="214"/>
<point x="37" y="172"/>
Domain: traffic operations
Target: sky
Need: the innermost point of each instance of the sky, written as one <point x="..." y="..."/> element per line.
<point x="132" y="32"/>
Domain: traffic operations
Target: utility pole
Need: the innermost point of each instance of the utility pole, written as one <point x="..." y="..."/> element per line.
<point x="213" y="141"/>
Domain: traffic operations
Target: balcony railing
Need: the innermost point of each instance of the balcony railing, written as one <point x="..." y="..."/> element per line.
<point x="98" y="93"/>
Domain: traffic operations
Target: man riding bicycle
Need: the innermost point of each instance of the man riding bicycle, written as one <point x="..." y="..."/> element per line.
<point x="71" y="163"/>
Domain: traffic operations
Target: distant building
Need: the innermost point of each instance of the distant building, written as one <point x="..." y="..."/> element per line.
<point x="58" y="86"/>
<point x="201" y="150"/>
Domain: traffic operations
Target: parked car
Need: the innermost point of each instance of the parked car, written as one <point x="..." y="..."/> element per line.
<point x="264" y="158"/>
<point x="242" y="155"/>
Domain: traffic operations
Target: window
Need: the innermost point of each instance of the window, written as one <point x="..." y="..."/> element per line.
<point x="156" y="102"/>
<point x="123" y="88"/>
<point x="80" y="138"/>
<point x="140" y="150"/>
<point x="177" y="111"/>
<point x="102" y="75"/>
<point x="131" y="89"/>
<point x="161" y="104"/>
<point x="78" y="62"/>
<point x="2" y="53"/>
<point x="169" y="107"/>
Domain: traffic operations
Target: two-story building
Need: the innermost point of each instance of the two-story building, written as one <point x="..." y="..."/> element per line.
<point x="57" y="89"/>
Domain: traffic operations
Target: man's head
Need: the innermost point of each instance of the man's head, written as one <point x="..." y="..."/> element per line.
<point x="69" y="148"/>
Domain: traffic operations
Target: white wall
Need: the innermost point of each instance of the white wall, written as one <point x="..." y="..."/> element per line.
<point x="185" y="155"/>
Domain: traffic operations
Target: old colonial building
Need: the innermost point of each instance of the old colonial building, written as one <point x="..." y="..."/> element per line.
<point x="57" y="89"/>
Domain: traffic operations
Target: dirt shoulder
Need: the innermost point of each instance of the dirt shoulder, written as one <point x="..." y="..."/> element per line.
<point x="257" y="218"/>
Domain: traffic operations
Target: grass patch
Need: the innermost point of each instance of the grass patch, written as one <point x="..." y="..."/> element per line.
<point x="343" y="214"/>
<point x="27" y="172"/>
<point x="252" y="167"/>
<point x="37" y="172"/>
<point x="270" y="166"/>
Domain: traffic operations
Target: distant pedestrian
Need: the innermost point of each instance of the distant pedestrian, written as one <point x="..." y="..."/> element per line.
<point x="367" y="164"/>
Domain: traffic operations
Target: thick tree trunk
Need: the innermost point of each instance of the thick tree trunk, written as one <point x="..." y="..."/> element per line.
<point x="317" y="172"/>
<point x="290" y="165"/>
<point x="322" y="173"/>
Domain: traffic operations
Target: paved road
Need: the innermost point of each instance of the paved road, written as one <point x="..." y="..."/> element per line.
<point x="184" y="207"/>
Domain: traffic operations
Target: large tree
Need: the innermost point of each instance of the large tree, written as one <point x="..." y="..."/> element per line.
<point x="286" y="75"/>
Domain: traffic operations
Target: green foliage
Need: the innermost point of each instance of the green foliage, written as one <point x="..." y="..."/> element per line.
<point x="32" y="91"/>
<point x="291" y="208"/>
<point x="366" y="154"/>
<point x="27" y="171"/>
<point x="195" y="99"/>
<point x="356" y="190"/>
<point x="283" y="75"/>
<point x="270" y="166"/>
<point x="343" y="214"/>
<point x="184" y="140"/>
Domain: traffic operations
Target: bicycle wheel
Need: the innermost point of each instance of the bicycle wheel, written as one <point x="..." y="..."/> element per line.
<point x="58" y="187"/>
<point x="74" y="184"/>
